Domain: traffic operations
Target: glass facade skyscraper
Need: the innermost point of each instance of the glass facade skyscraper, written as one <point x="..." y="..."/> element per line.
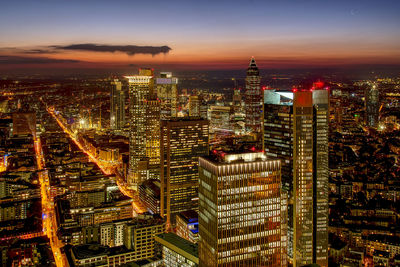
<point x="242" y="215"/>
<point x="372" y="106"/>
<point x="117" y="109"/>
<point x="183" y="141"/>
<point x="296" y="132"/>
<point x="144" y="129"/>
<point x="253" y="99"/>
<point x="167" y="92"/>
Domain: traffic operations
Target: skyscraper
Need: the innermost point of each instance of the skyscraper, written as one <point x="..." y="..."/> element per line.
<point x="296" y="132"/>
<point x="194" y="106"/>
<point x="117" y="110"/>
<point x="302" y="178"/>
<point x="167" y="92"/>
<point x="372" y="106"/>
<point x="144" y="127"/>
<point x="241" y="212"/>
<point x="321" y="176"/>
<point x="183" y="141"/>
<point x="253" y="99"/>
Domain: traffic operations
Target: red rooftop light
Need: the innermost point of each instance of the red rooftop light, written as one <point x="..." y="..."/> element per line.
<point x="319" y="84"/>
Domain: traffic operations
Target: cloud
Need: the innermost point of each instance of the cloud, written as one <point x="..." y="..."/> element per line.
<point x="39" y="51"/>
<point x="32" y="60"/>
<point x="128" y="49"/>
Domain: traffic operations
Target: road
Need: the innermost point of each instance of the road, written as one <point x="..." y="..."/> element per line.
<point x="107" y="170"/>
<point x="48" y="212"/>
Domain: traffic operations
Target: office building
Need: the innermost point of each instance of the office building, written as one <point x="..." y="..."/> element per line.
<point x="253" y="99"/>
<point x="183" y="141"/>
<point x="144" y="127"/>
<point x="187" y="225"/>
<point x="177" y="251"/>
<point x="194" y="106"/>
<point x="139" y="235"/>
<point x="149" y="195"/>
<point x="117" y="109"/>
<point x="372" y="106"/>
<point x="296" y="132"/>
<point x="167" y="92"/>
<point x="241" y="211"/>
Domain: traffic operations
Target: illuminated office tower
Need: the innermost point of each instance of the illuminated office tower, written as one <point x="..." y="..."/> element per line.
<point x="153" y="138"/>
<point x="144" y="127"/>
<point x="241" y="212"/>
<point x="372" y="106"/>
<point x="253" y="99"/>
<point x="117" y="110"/>
<point x="321" y="176"/>
<point x="183" y="141"/>
<point x="302" y="178"/>
<point x="167" y="92"/>
<point x="194" y="106"/>
<point x="296" y="132"/>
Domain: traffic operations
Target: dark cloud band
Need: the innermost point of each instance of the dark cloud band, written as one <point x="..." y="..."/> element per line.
<point x="33" y="60"/>
<point x="128" y="49"/>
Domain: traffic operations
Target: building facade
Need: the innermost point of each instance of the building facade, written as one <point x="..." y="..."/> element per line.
<point x="241" y="214"/>
<point x="296" y="132"/>
<point x="167" y="92"/>
<point x="177" y="251"/>
<point x="144" y="127"/>
<point x="183" y="141"/>
<point x="117" y="109"/>
<point x="372" y="106"/>
<point x="253" y="99"/>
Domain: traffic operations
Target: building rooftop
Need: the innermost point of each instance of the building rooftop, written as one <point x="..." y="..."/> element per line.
<point x="179" y="245"/>
<point x="190" y="216"/>
<point x="222" y="157"/>
<point x="89" y="251"/>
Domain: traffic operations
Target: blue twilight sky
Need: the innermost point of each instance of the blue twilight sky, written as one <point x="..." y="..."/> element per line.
<point x="200" y="32"/>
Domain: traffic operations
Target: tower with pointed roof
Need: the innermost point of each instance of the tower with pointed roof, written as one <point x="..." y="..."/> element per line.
<point x="253" y="99"/>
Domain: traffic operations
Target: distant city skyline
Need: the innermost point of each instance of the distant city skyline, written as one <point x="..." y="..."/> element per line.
<point x="198" y="35"/>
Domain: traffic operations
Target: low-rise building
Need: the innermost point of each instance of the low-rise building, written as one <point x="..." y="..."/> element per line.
<point x="177" y="251"/>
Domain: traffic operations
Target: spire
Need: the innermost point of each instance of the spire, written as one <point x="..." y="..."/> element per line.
<point x="252" y="69"/>
<point x="253" y="63"/>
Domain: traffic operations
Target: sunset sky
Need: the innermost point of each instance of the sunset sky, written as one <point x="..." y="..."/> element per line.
<point x="201" y="34"/>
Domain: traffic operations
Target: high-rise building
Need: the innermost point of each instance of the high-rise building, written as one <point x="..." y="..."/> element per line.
<point x="117" y="110"/>
<point x="167" y="92"/>
<point x="296" y="132"/>
<point x="153" y="137"/>
<point x="241" y="211"/>
<point x="183" y="141"/>
<point x="24" y="123"/>
<point x="303" y="178"/>
<point x="194" y="106"/>
<point x="372" y="106"/>
<point x="321" y="176"/>
<point x="253" y="99"/>
<point x="144" y="127"/>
